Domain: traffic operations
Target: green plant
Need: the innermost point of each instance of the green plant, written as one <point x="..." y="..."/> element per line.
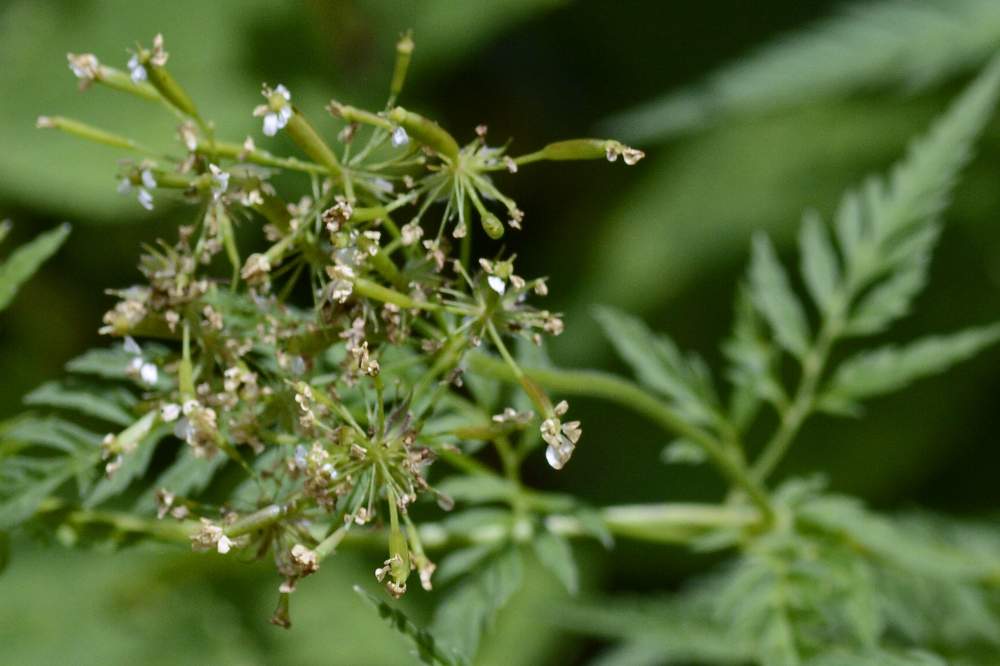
<point x="310" y="386"/>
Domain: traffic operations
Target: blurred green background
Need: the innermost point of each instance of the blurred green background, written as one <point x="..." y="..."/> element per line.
<point x="666" y="239"/>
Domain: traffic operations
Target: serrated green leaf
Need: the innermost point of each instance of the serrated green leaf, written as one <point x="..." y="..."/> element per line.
<point x="888" y="301"/>
<point x="427" y="648"/>
<point x="556" y="555"/>
<point x="774" y="299"/>
<point x="25" y="261"/>
<point x="659" y="365"/>
<point x="52" y="432"/>
<point x="592" y="524"/>
<point x="751" y="364"/>
<point x="477" y="488"/>
<point x="903" y="43"/>
<point x="459" y="562"/>
<point x="683" y="628"/>
<point x="683" y="452"/>
<point x="23" y="501"/>
<point x="468" y="611"/>
<point x="819" y="264"/>
<point x="849" y="223"/>
<point x="109" y="363"/>
<point x="887" y="231"/>
<point x="87" y="402"/>
<point x="888" y="369"/>
<point x="188" y="476"/>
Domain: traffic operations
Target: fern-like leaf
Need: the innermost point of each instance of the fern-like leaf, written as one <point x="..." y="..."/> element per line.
<point x="468" y="610"/>
<point x="659" y="365"/>
<point x="25" y="261"/>
<point x="427" y="648"/>
<point x="891" y="368"/>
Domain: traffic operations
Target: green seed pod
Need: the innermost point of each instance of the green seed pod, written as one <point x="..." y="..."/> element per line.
<point x="404" y="51"/>
<point x="399" y="550"/>
<point x="492" y="226"/>
<point x="426" y="132"/>
<point x="309" y="141"/>
<point x="577" y="149"/>
<point x="281" y="617"/>
<point x="171" y="91"/>
<point x="119" y="80"/>
<point x="88" y="132"/>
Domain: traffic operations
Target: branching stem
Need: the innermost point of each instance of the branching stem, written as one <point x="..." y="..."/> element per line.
<point x="625" y="393"/>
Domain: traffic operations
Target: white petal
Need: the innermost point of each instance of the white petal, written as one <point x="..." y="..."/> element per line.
<point x="131" y="346"/>
<point x="147" y="179"/>
<point x="271" y="124"/>
<point x="553" y="458"/>
<point x="284" y="115"/>
<point x="145" y="198"/>
<point x="400" y="137"/>
<point x="148" y="373"/>
<point x="169" y="412"/>
<point x="496" y="284"/>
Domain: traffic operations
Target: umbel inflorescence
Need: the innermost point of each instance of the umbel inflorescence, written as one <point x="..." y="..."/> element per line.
<point x="328" y="367"/>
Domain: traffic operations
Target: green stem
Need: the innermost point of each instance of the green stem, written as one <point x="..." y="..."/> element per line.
<point x="625" y="393"/>
<point x="801" y="405"/>
<point x="659" y="523"/>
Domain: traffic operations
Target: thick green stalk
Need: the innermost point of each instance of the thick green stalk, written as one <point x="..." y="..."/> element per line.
<point x="661" y="523"/>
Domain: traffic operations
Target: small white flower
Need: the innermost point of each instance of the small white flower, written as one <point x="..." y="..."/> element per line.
<point x="560" y="437"/>
<point x="399" y="137"/>
<point x="278" y="110"/>
<point x="411" y="232"/>
<point x="170" y="412"/>
<point x="135" y="69"/>
<point x="224" y="544"/>
<point x="131" y="346"/>
<point x="220" y="181"/>
<point x="145" y="198"/>
<point x="148" y="373"/>
<point x="188" y="136"/>
<point x="84" y="66"/>
<point x="383" y="185"/>
<point x="496" y="284"/>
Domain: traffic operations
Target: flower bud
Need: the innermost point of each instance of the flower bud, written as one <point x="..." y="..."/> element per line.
<point x="309" y="141"/>
<point x="492" y="226"/>
<point x="153" y="62"/>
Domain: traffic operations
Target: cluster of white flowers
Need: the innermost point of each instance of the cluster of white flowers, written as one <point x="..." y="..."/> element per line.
<point x="628" y="154"/>
<point x="144" y="195"/>
<point x="211" y="537"/>
<point x="139" y="367"/>
<point x="560" y="437"/>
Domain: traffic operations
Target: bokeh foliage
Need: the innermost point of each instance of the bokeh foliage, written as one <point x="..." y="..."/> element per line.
<point x="665" y="241"/>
